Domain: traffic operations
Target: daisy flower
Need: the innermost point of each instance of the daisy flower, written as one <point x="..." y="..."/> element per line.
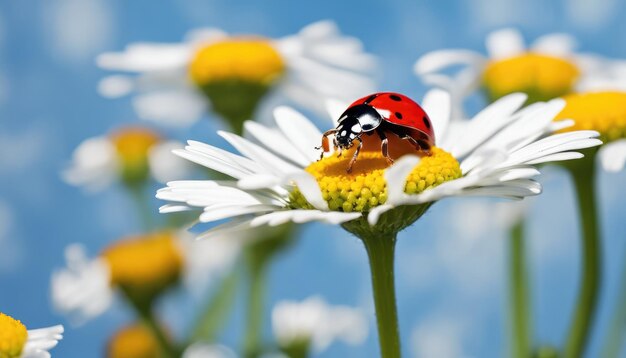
<point x="279" y="177"/>
<point x="131" y="155"/>
<point x="232" y="74"/>
<point x="314" y="324"/>
<point x="136" y="340"/>
<point x="142" y="267"/>
<point x="547" y="69"/>
<point x="18" y="342"/>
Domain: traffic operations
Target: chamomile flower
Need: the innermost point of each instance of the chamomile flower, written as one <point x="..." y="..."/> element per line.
<point x="600" y="105"/>
<point x="547" y="69"/>
<point x="279" y="177"/>
<point x="131" y="155"/>
<point x="232" y="74"/>
<point x="314" y="324"/>
<point x="142" y="267"/>
<point x="134" y="340"/>
<point x="18" y="342"/>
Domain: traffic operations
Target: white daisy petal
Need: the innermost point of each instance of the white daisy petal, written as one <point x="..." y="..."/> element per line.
<point x="258" y="154"/>
<point x="557" y="44"/>
<point x="225" y="211"/>
<point x="556" y="157"/>
<point x="94" y="165"/>
<point x="335" y="108"/>
<point x="258" y="181"/>
<point x="116" y="86"/>
<point x="505" y="43"/>
<point x="276" y="142"/>
<point x="310" y="189"/>
<point x="487" y="122"/>
<point x="436" y="103"/>
<point x="396" y="175"/>
<point x="299" y="130"/>
<point x="173" y="108"/>
<point x="613" y="156"/>
<point x="164" y="165"/>
<point x="146" y="57"/>
<point x="438" y="60"/>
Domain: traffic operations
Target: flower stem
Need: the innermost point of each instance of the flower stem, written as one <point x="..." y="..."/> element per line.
<point x="216" y="309"/>
<point x="614" y="341"/>
<point x="381" y="250"/>
<point x="518" y="295"/>
<point x="144" y="310"/>
<point x="258" y="256"/>
<point x="256" y="298"/>
<point x="583" y="174"/>
<point x="142" y="202"/>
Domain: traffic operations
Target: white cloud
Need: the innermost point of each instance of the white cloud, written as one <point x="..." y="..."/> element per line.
<point x="487" y="14"/>
<point x="591" y="13"/>
<point x="78" y="29"/>
<point x="440" y="336"/>
<point x="11" y="252"/>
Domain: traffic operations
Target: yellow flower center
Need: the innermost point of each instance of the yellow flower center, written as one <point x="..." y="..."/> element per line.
<point x="365" y="187"/>
<point x="542" y="77"/>
<point x="134" y="341"/>
<point x="248" y="59"/>
<point x="133" y="145"/>
<point x="145" y="265"/>
<point x="604" y="112"/>
<point x="13" y="337"/>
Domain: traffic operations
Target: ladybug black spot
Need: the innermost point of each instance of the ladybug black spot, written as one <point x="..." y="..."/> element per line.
<point x="370" y="98"/>
<point x="398" y="115"/>
<point x="426" y="122"/>
<point x="395" y="98"/>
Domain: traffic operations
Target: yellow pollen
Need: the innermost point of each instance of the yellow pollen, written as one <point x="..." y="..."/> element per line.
<point x="133" y="145"/>
<point x="13" y="337"/>
<point x="604" y="112"/>
<point x="134" y="341"/>
<point x="146" y="264"/>
<point x="542" y="77"/>
<point x="249" y="59"/>
<point x="365" y="187"/>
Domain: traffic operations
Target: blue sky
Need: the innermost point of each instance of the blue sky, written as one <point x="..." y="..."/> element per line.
<point x="451" y="265"/>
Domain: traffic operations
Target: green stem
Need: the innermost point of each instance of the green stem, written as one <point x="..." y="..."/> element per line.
<point x="142" y="201"/>
<point x="144" y="311"/>
<point x="216" y="309"/>
<point x="380" y="250"/>
<point x="257" y="275"/>
<point x="519" y="298"/>
<point x="583" y="174"/>
<point x="614" y="341"/>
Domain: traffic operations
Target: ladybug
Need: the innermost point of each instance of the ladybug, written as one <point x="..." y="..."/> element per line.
<point x="384" y="113"/>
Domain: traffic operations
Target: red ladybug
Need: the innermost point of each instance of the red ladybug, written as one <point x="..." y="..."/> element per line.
<point x="382" y="113"/>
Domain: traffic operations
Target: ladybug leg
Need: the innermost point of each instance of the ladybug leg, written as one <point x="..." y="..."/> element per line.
<point x="384" y="146"/>
<point x="325" y="145"/>
<point x="420" y="147"/>
<point x="356" y="154"/>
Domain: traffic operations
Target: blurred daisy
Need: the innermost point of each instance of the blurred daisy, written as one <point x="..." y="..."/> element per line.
<point x="237" y="72"/>
<point x="280" y="179"/>
<point x="18" y="342"/>
<point x="314" y="324"/>
<point x="134" y="340"/>
<point x="548" y="69"/>
<point x="142" y="267"/>
<point x="131" y="154"/>
<point x="601" y="106"/>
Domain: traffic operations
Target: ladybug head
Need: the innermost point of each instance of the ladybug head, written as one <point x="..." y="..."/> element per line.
<point x="355" y="121"/>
